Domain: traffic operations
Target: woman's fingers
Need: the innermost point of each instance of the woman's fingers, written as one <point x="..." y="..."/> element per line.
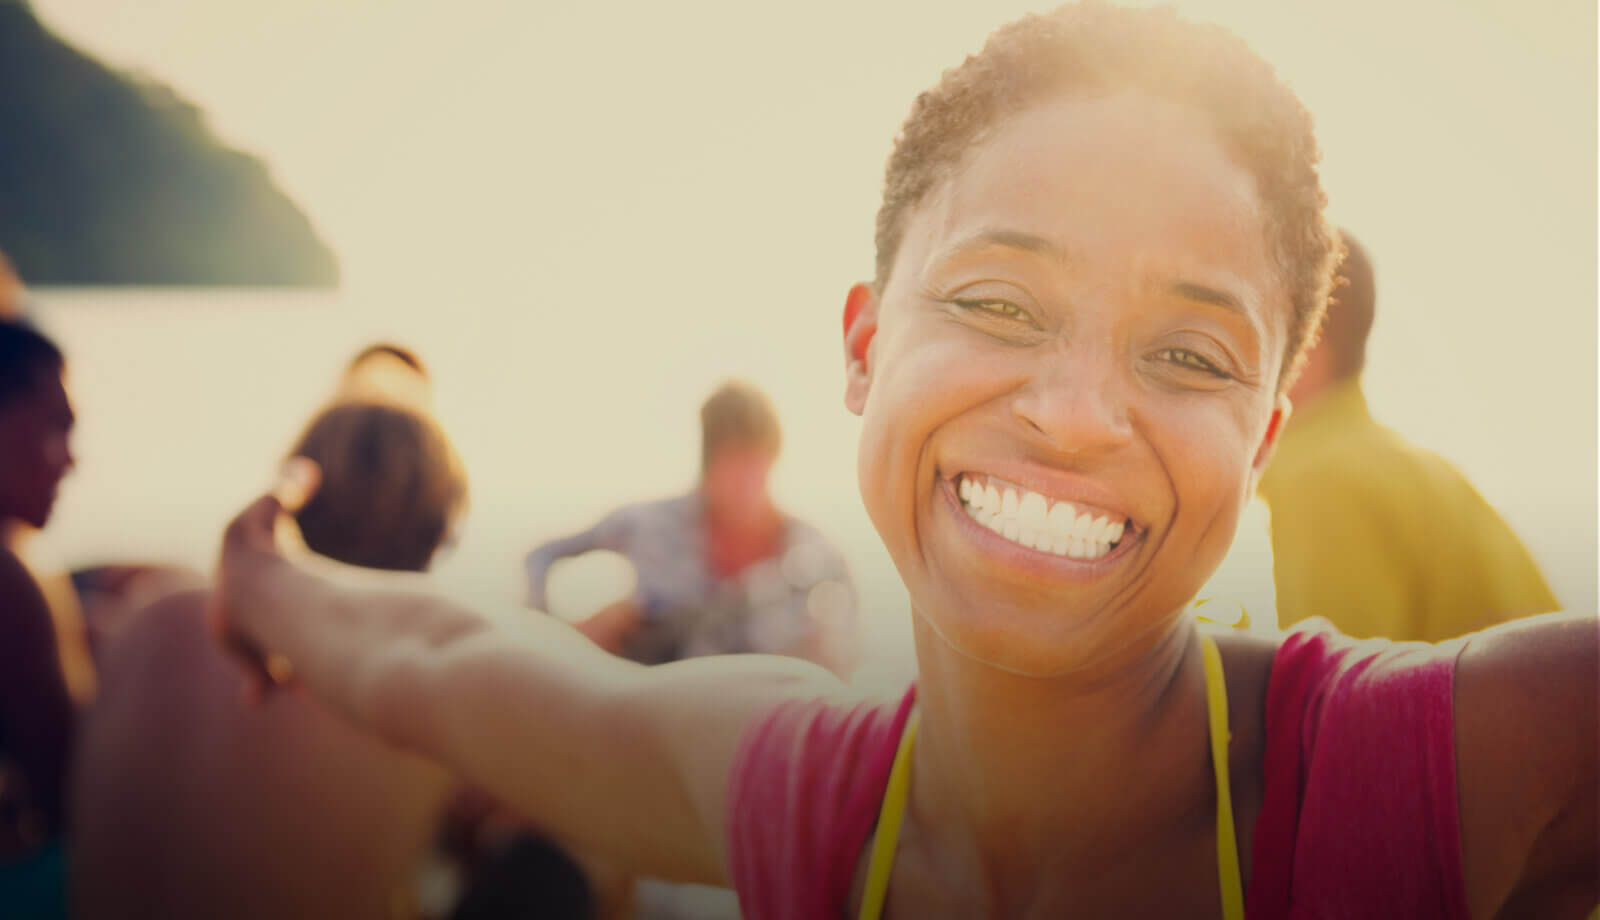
<point x="249" y="546"/>
<point x="297" y="482"/>
<point x="255" y="528"/>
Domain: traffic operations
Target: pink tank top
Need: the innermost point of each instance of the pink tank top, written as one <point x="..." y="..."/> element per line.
<point x="1358" y="817"/>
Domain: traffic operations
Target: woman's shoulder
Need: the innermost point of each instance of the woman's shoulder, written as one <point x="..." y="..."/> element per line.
<point x="1359" y="745"/>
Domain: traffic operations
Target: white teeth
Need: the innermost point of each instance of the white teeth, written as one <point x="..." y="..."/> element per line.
<point x="1033" y="510"/>
<point x="1031" y="520"/>
<point x="1062" y="515"/>
<point x="1060" y="520"/>
<point x="1097" y="531"/>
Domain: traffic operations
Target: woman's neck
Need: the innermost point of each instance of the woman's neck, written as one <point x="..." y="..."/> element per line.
<point x="1019" y="777"/>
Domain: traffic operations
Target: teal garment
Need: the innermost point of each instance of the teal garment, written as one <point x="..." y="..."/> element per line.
<point x="34" y="886"/>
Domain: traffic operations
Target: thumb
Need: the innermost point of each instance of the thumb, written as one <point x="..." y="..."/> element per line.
<point x="297" y="482"/>
<point x="254" y="527"/>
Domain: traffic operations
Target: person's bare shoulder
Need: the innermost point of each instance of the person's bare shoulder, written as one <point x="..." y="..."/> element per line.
<point x="27" y="626"/>
<point x="176" y="617"/>
<point x="170" y="637"/>
<point x="15" y="579"/>
<point x="1527" y="733"/>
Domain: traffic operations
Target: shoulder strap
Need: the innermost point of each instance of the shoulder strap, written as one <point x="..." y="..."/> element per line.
<point x="890" y="817"/>
<point x="1227" y="843"/>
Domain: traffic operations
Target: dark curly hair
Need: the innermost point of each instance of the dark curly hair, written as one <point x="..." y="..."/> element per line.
<point x="1093" y="47"/>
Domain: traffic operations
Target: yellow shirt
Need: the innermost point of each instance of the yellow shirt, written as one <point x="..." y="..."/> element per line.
<point x="1386" y="539"/>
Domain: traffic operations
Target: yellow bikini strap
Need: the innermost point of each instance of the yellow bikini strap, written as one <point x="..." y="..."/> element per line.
<point x="890" y="817"/>
<point x="1227" y="842"/>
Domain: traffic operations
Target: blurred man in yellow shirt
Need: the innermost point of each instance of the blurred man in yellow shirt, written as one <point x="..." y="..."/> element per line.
<point x="1381" y="537"/>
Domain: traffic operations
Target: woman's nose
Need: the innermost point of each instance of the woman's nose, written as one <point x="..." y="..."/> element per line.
<point x="1076" y="405"/>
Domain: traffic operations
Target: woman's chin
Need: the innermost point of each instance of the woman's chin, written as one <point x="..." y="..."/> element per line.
<point x="1025" y="642"/>
<point x="1050" y="639"/>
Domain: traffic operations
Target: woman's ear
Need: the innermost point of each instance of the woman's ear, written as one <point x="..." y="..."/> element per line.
<point x="860" y="324"/>
<point x="1281" y="411"/>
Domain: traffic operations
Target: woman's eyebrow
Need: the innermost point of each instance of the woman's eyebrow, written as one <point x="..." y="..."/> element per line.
<point x="1200" y="293"/>
<point x="1010" y="239"/>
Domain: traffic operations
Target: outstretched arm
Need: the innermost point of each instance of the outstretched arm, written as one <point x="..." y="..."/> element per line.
<point x="610" y="533"/>
<point x="1527" y="733"/>
<point x="631" y="762"/>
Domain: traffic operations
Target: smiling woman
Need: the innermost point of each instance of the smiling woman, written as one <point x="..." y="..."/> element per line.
<point x="1108" y="334"/>
<point x="1100" y="253"/>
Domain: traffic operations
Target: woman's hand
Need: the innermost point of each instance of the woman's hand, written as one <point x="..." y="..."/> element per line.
<point x="256" y="551"/>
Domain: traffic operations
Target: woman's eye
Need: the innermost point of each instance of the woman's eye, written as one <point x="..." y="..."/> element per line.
<point x="996" y="307"/>
<point x="1183" y="357"/>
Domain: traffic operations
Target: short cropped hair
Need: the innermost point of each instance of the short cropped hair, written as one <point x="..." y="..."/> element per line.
<point x="737" y="413"/>
<point x="1095" y="48"/>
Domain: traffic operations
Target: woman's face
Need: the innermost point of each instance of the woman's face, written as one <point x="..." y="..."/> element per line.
<point x="1084" y="315"/>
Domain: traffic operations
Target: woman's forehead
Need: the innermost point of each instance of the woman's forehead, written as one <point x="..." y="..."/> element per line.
<point x="1123" y="184"/>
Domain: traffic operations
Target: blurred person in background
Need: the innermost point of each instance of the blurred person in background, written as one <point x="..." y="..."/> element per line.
<point x="387" y="372"/>
<point x="108" y="594"/>
<point x="194" y="802"/>
<point x="722" y="569"/>
<point x="1379" y="536"/>
<point x="39" y="651"/>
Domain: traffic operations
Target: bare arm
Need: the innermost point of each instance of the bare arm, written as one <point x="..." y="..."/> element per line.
<point x="1527" y="733"/>
<point x="608" y="534"/>
<point x="631" y="762"/>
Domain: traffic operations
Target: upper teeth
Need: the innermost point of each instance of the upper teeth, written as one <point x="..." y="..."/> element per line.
<point x="1032" y="520"/>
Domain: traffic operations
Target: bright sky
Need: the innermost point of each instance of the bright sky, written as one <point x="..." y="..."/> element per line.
<point x="655" y="171"/>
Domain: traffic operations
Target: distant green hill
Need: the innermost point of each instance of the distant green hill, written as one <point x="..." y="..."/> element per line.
<point x="106" y="178"/>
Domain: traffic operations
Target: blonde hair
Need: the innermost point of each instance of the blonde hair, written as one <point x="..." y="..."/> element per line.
<point x="737" y="413"/>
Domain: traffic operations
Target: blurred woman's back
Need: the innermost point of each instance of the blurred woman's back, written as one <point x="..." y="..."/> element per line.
<point x="191" y="802"/>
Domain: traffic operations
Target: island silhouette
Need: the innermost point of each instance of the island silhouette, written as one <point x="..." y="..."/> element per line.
<point x="108" y="177"/>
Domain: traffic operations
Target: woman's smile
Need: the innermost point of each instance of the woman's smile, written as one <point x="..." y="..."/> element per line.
<point x="1063" y="529"/>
